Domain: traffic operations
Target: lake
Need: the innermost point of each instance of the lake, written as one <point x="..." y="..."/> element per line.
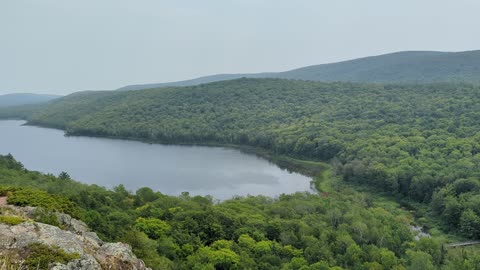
<point x="170" y="169"/>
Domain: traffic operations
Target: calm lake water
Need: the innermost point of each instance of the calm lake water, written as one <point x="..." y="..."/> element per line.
<point x="170" y="169"/>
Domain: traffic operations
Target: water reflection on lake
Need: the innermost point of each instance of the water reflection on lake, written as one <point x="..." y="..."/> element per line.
<point x="171" y="169"/>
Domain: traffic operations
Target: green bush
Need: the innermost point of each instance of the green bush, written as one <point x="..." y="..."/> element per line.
<point x="40" y="256"/>
<point x="32" y="197"/>
<point x="48" y="217"/>
<point x="11" y="220"/>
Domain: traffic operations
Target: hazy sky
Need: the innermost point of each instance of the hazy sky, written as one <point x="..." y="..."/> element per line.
<point x="62" y="46"/>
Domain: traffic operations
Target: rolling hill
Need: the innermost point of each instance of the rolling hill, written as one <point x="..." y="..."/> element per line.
<point x="400" y="67"/>
<point x="418" y="142"/>
<point x="24" y="98"/>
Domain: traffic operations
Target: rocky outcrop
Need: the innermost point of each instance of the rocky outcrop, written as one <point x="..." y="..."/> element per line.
<point x="72" y="237"/>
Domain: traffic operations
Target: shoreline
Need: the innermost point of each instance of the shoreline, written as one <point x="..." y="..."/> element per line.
<point x="323" y="182"/>
<point x="316" y="170"/>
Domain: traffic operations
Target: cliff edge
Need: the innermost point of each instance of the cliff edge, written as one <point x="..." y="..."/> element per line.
<point x="29" y="244"/>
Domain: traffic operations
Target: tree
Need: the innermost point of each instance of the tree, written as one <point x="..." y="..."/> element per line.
<point x="146" y="194"/>
<point x="246" y="242"/>
<point x="153" y="227"/>
<point x="297" y="263"/>
<point x="452" y="212"/>
<point x="353" y="256"/>
<point x="470" y="224"/>
<point x="387" y="258"/>
<point x="64" y="176"/>
<point x="146" y="248"/>
<point x="432" y="247"/>
<point x="419" y="260"/>
<point x="214" y="259"/>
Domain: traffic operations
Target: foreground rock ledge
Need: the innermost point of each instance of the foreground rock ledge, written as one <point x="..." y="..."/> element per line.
<point x="94" y="253"/>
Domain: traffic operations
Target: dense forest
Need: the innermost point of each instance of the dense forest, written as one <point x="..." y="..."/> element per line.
<point x="416" y="142"/>
<point x="419" y="142"/>
<point x="344" y="230"/>
<point x="399" y="67"/>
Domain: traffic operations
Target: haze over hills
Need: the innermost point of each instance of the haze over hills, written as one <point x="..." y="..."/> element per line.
<point x="24" y="99"/>
<point x="399" y="67"/>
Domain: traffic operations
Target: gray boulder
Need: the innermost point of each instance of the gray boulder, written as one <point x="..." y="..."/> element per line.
<point x="72" y="237"/>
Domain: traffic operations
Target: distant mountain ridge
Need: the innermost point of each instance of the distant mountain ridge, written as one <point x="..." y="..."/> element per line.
<point x="399" y="67"/>
<point x="24" y="99"/>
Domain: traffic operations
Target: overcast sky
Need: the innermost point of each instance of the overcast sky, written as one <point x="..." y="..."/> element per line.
<point x="63" y="46"/>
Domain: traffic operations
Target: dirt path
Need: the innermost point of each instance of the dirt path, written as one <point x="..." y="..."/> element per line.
<point x="3" y="201"/>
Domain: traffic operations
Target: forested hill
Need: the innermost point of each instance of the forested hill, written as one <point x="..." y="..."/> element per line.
<point x="400" y="67"/>
<point x="24" y="98"/>
<point x="346" y="230"/>
<point x="419" y="142"/>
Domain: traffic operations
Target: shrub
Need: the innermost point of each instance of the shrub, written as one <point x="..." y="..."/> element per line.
<point x="11" y="220"/>
<point x="40" y="256"/>
<point x="37" y="198"/>
<point x="48" y="217"/>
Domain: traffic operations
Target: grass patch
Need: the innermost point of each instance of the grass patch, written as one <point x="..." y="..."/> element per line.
<point x="7" y="263"/>
<point x="11" y="220"/>
<point x="40" y="256"/>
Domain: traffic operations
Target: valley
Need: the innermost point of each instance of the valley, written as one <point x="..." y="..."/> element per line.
<point x="409" y="151"/>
